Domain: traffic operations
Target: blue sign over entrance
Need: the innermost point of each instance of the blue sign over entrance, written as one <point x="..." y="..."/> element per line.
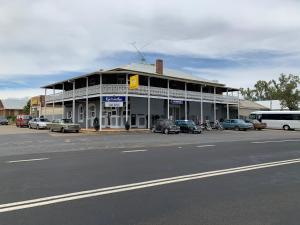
<point x="113" y="98"/>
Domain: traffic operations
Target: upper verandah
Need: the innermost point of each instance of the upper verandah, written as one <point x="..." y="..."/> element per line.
<point x="147" y="70"/>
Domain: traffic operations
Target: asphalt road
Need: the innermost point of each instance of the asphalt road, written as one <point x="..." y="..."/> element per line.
<point x="244" y="181"/>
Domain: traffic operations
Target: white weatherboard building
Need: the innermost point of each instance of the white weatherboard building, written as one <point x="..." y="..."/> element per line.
<point x="162" y="93"/>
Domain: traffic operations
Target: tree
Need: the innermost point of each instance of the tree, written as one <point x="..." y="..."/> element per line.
<point x="26" y="108"/>
<point x="248" y="94"/>
<point x="287" y="91"/>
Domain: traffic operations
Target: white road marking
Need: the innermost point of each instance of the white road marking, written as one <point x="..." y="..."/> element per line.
<point x="203" y="146"/>
<point x="179" y="147"/>
<point x="26" y="160"/>
<point x="135" y="186"/>
<point x="140" y="150"/>
<point x="279" y="141"/>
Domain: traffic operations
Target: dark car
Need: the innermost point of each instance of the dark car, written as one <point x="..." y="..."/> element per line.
<point x="188" y="126"/>
<point x="165" y="126"/>
<point x="3" y="121"/>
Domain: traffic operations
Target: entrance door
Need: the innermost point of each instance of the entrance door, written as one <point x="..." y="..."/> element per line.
<point x="175" y="113"/>
<point x="92" y="114"/>
<point x="141" y="121"/>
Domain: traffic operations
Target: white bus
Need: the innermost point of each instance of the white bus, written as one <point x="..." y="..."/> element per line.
<point x="286" y="120"/>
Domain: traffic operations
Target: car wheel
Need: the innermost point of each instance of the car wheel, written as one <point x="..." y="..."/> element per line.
<point x="166" y="131"/>
<point x="286" y="127"/>
<point x="77" y="131"/>
<point x="236" y="128"/>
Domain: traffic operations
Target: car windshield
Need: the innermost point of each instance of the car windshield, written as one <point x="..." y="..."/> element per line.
<point x="66" y="120"/>
<point x="190" y="122"/>
<point x="44" y="120"/>
<point x="169" y="122"/>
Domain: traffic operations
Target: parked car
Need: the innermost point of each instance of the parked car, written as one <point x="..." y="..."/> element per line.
<point x="188" y="126"/>
<point x="23" y="120"/>
<point x="237" y="124"/>
<point x="38" y="123"/>
<point x="64" y="125"/>
<point x="257" y="125"/>
<point x="165" y="126"/>
<point x="3" y="121"/>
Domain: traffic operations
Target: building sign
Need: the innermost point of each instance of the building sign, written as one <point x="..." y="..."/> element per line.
<point x="176" y="102"/>
<point x="113" y="101"/>
<point x="134" y="82"/>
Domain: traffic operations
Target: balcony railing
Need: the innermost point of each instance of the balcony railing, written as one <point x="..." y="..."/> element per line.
<point x="121" y="89"/>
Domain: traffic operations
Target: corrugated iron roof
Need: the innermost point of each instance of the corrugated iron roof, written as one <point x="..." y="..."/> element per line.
<point x="150" y="68"/>
<point x="14" y="103"/>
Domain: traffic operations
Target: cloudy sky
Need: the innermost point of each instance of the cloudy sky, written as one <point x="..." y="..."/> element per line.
<point x="235" y="42"/>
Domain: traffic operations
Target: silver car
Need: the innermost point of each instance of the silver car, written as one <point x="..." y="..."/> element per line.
<point x="38" y="123"/>
<point x="64" y="125"/>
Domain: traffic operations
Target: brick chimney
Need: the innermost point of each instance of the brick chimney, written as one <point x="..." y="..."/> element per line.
<point x="159" y="66"/>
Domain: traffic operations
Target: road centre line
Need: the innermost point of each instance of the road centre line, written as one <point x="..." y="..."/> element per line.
<point x="135" y="186"/>
<point x="26" y="160"/>
<point x="203" y="146"/>
<point x="279" y="141"/>
<point x="139" y="150"/>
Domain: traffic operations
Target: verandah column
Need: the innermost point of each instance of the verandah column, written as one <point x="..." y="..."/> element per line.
<point x="238" y="104"/>
<point x="63" y="101"/>
<point x="73" y="103"/>
<point x="87" y="103"/>
<point x="126" y="108"/>
<point x="185" y="102"/>
<point x="100" y="112"/>
<point x="168" y="99"/>
<point x="149" y="104"/>
<point x="215" y="108"/>
<point x="45" y="103"/>
<point x="53" y="102"/>
<point x="201" y="103"/>
<point x="227" y="106"/>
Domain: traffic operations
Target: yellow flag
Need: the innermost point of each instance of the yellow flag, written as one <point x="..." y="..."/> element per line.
<point x="134" y="82"/>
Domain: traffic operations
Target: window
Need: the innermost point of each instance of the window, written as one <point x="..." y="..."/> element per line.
<point x="69" y="115"/>
<point x="81" y="113"/>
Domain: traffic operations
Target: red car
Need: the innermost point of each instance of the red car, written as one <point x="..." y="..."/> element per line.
<point x="22" y="120"/>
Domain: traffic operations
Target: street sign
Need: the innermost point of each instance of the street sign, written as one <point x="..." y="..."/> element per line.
<point x="113" y="104"/>
<point x="176" y="102"/>
<point x="113" y="101"/>
<point x="113" y="98"/>
<point x="134" y="82"/>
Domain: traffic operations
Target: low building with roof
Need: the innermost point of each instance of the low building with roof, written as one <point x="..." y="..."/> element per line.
<point x="12" y="106"/>
<point x="247" y="107"/>
<point x="139" y="94"/>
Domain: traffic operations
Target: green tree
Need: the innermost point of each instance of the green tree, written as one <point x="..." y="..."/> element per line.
<point x="248" y="94"/>
<point x="287" y="91"/>
<point x="26" y="108"/>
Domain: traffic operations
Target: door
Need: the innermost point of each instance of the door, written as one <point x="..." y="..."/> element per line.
<point x="92" y="114"/>
<point x="175" y="113"/>
<point x="141" y="121"/>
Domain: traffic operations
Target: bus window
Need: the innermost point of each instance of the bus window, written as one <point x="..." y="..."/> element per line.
<point x="252" y="116"/>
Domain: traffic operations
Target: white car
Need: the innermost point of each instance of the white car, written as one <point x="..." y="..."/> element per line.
<point x="38" y="123"/>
